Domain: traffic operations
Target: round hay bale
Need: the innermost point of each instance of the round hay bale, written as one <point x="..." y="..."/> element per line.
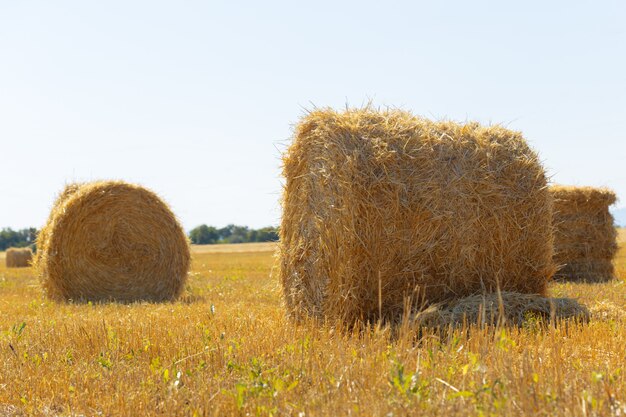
<point x="18" y="257"/>
<point x="385" y="210"/>
<point x="112" y="241"/>
<point x="585" y="238"/>
<point x="42" y="236"/>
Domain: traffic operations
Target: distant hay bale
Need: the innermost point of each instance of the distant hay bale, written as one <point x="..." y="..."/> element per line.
<point x="585" y="239"/>
<point x="506" y="308"/>
<point x="111" y="240"/>
<point x="18" y="257"/>
<point x="382" y="207"/>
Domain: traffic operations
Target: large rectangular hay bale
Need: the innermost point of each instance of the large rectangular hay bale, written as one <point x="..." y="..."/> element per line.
<point x="585" y="239"/>
<point x="381" y="209"/>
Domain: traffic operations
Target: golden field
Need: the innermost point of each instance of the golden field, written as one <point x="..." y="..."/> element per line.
<point x="227" y="349"/>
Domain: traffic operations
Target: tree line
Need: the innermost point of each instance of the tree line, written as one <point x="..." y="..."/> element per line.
<point x="204" y="235"/>
<point x="201" y="235"/>
<point x="10" y="238"/>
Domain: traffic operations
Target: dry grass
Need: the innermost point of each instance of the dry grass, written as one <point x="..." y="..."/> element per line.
<point x="501" y="309"/>
<point x="110" y="240"/>
<point x="227" y="349"/>
<point x="238" y="248"/>
<point x="379" y="206"/>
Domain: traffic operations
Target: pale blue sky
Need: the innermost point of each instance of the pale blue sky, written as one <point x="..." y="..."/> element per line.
<point x="195" y="99"/>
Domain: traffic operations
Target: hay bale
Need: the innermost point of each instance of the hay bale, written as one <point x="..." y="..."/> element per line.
<point x="109" y="241"/>
<point x="505" y="308"/>
<point x="585" y="238"/>
<point x="381" y="207"/>
<point x="18" y="257"/>
<point x="42" y="236"/>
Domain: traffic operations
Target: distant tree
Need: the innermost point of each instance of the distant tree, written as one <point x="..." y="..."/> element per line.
<point x="267" y="234"/>
<point x="31" y="234"/>
<point x="238" y="234"/>
<point x="203" y="235"/>
<point x="17" y="238"/>
<point x="253" y="235"/>
<point x="232" y="233"/>
<point x="225" y="232"/>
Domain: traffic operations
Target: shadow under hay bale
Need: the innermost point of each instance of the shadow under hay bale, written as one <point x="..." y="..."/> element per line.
<point x="379" y="207"/>
<point x="18" y="257"/>
<point x="112" y="241"/>
<point x="585" y="239"/>
<point x="505" y="308"/>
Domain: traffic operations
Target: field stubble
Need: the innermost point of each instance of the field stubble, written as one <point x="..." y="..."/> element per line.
<point x="227" y="349"/>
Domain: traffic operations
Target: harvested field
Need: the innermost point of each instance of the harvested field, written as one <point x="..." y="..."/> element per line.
<point x="227" y="348"/>
<point x="235" y="248"/>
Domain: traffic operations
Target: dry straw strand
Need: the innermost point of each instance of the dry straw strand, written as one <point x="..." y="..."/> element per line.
<point x="423" y="210"/>
<point x="18" y="257"/>
<point x="110" y="240"/>
<point x="585" y="237"/>
<point x="505" y="308"/>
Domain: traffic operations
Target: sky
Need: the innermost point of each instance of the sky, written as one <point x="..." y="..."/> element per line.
<point x="197" y="100"/>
